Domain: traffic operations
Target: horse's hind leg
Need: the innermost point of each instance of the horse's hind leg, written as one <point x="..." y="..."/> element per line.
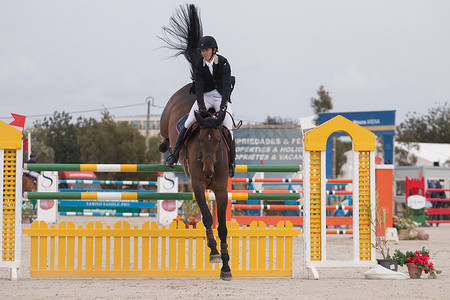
<point x="214" y="257"/>
<point x="222" y="201"/>
<point x="163" y="145"/>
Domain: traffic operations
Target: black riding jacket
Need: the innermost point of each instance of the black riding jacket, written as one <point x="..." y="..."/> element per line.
<point x="219" y="80"/>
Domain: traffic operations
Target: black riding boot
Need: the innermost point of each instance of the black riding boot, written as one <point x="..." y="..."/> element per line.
<point x="232" y="159"/>
<point x="173" y="158"/>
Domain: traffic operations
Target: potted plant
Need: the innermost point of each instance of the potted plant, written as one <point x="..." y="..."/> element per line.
<point x="187" y="222"/>
<point x="404" y="227"/>
<point x="381" y="243"/>
<point x="416" y="262"/>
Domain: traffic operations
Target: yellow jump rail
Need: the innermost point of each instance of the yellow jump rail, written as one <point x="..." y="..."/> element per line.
<point x="151" y="251"/>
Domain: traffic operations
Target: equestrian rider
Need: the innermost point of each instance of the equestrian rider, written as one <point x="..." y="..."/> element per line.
<point x="33" y="174"/>
<point x="213" y="85"/>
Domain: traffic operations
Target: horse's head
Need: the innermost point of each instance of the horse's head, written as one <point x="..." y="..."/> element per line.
<point x="210" y="139"/>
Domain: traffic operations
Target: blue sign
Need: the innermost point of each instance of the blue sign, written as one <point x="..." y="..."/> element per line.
<point x="379" y="122"/>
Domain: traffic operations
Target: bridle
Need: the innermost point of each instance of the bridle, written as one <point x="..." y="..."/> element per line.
<point x="210" y="154"/>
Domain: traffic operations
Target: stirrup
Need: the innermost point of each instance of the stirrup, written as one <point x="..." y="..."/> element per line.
<point x="171" y="161"/>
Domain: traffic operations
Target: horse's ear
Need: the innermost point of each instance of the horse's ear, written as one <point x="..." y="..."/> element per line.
<point x="220" y="117"/>
<point x="199" y="118"/>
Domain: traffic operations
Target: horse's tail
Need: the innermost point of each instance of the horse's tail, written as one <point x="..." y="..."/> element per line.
<point x="184" y="33"/>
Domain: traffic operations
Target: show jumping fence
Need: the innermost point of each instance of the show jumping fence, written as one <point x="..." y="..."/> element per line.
<point x="153" y="251"/>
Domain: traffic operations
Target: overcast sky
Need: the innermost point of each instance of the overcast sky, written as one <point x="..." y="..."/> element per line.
<point x="80" y="55"/>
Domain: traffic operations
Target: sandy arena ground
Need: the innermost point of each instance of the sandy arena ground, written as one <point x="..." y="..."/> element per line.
<point x="333" y="284"/>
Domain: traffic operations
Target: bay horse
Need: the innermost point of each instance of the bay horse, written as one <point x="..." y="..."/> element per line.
<point x="28" y="184"/>
<point x="204" y="156"/>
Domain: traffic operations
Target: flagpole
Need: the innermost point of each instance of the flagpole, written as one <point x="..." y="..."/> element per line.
<point x="29" y="145"/>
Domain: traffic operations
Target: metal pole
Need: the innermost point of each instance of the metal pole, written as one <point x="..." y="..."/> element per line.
<point x="147" y="125"/>
<point x="29" y="145"/>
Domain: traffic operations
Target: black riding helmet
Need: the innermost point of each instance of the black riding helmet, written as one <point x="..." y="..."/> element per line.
<point x="207" y="42"/>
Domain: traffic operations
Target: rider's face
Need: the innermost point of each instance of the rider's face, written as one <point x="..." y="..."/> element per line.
<point x="207" y="54"/>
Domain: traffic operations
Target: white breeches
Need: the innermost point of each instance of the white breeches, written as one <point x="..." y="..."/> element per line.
<point x="34" y="174"/>
<point x="212" y="99"/>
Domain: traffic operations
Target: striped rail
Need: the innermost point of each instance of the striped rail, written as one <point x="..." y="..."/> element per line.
<point x="150" y="168"/>
<point x="153" y="251"/>
<point x="106" y="214"/>
<point x="286" y="207"/>
<point x="87" y="181"/>
<point x="154" y="196"/>
<point x="285" y="180"/>
<point x="291" y="192"/>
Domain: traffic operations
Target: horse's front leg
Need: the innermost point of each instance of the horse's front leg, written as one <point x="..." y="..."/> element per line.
<point x="222" y="201"/>
<point x="199" y="192"/>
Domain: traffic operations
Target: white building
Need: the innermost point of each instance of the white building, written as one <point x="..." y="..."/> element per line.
<point x="140" y="122"/>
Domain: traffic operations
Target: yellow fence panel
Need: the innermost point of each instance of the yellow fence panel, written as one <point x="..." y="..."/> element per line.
<point x="154" y="251"/>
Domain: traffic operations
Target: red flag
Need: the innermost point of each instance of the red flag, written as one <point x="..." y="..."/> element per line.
<point x="19" y="120"/>
<point x="25" y="145"/>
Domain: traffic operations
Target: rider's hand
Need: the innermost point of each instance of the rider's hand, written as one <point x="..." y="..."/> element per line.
<point x="221" y="114"/>
<point x="223" y="108"/>
<point x="203" y="113"/>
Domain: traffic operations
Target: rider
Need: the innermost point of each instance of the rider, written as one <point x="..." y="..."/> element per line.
<point x="213" y="85"/>
<point x="33" y="174"/>
<point x="32" y="159"/>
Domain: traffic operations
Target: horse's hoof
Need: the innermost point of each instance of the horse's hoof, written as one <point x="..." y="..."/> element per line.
<point x="226" y="276"/>
<point x="215" y="258"/>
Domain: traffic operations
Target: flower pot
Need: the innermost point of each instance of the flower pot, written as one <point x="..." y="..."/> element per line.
<point x="403" y="234"/>
<point x="414" y="271"/>
<point x="390" y="264"/>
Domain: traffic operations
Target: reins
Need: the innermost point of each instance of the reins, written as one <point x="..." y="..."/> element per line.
<point x="239" y="124"/>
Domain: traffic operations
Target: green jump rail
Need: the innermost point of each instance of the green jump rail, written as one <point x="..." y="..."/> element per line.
<point x="150" y="168"/>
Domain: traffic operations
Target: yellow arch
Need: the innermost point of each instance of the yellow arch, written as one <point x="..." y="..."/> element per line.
<point x="10" y="138"/>
<point x="316" y="139"/>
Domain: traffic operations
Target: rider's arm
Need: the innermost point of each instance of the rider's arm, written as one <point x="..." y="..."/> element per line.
<point x="226" y="84"/>
<point x="199" y="86"/>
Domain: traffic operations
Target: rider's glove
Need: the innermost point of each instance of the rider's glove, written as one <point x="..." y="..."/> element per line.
<point x="203" y="113"/>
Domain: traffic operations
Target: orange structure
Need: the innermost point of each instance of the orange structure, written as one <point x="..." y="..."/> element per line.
<point x="383" y="185"/>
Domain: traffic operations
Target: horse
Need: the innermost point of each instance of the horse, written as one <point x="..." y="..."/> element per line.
<point x="204" y="156"/>
<point x="28" y="184"/>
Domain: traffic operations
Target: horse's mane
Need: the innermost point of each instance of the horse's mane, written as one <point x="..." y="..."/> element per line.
<point x="184" y="33"/>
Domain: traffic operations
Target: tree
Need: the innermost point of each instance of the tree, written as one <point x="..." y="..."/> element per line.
<point x="403" y="157"/>
<point x="279" y="121"/>
<point x="60" y="134"/>
<point x="107" y="142"/>
<point x="44" y="153"/>
<point x="433" y="127"/>
<point x="323" y="103"/>
<point x="153" y="155"/>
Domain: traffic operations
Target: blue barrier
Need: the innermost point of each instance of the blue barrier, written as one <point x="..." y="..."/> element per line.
<point x="108" y="204"/>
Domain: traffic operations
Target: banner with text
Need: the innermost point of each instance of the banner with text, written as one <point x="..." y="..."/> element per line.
<point x="268" y="146"/>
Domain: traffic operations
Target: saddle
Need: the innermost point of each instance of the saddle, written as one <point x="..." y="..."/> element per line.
<point x="226" y="135"/>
